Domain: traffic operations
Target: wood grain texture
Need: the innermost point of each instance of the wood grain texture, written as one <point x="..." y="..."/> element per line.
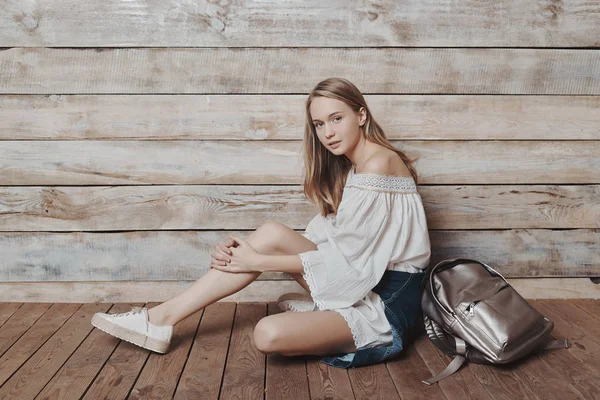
<point x="33" y="375"/>
<point x="407" y="371"/>
<point x="7" y="310"/>
<point x="19" y="323"/>
<point x="372" y="382"/>
<point x="41" y="330"/>
<point x="120" y="372"/>
<point x="453" y="387"/>
<point x="286" y="377"/>
<point x="244" y="117"/>
<point x="159" y="207"/>
<point x="296" y="70"/>
<point x="259" y="290"/>
<point x="186" y="255"/>
<point x="160" y="375"/>
<point x="275" y="162"/>
<point x="327" y="382"/>
<point x="339" y="24"/>
<point x="554" y="374"/>
<point x="201" y="377"/>
<point x="583" y="345"/>
<point x="244" y="374"/>
<point x="75" y="376"/>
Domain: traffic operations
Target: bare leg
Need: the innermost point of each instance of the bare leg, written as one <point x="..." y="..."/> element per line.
<point x="215" y="285"/>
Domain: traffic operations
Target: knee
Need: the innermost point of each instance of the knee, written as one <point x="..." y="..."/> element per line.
<point x="265" y="336"/>
<point x="266" y="238"/>
<point x="271" y="226"/>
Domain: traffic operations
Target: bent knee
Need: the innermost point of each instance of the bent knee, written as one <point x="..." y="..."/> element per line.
<point x="266" y="336"/>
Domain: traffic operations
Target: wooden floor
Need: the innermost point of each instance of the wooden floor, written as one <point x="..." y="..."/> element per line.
<point x="51" y="351"/>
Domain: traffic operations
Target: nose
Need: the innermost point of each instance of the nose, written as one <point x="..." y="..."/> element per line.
<point x="328" y="131"/>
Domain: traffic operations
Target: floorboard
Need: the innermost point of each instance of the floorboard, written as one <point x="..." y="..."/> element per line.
<point x="51" y="351"/>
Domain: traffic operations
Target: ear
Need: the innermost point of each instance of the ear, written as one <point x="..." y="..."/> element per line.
<point x="362" y="116"/>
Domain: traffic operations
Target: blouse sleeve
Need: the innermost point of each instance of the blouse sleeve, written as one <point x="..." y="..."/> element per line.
<point x="357" y="249"/>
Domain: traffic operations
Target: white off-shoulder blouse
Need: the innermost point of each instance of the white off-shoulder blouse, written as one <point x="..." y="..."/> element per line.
<point x="380" y="224"/>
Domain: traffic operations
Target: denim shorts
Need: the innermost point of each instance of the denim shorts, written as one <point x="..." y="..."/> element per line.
<point x="401" y="295"/>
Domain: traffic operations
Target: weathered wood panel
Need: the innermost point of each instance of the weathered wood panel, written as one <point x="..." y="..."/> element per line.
<point x="218" y="207"/>
<point x="260" y="290"/>
<point x="185" y="255"/>
<point x="35" y="373"/>
<point x="72" y="380"/>
<point x="276" y="162"/>
<point x="297" y="70"/>
<point x="300" y="23"/>
<point x="220" y="358"/>
<point x="280" y="117"/>
<point x="203" y="372"/>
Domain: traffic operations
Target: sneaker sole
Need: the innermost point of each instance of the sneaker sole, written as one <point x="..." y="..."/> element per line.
<point x="130" y="336"/>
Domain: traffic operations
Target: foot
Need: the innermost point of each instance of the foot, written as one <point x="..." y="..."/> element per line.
<point x="297" y="302"/>
<point x="133" y="326"/>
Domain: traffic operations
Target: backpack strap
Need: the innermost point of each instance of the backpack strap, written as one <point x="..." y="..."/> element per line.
<point x="556" y="344"/>
<point x="459" y="359"/>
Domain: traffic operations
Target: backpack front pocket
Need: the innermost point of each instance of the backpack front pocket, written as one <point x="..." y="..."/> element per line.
<point x="501" y="319"/>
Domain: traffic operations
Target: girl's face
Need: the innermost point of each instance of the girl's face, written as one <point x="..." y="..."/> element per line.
<point x="335" y="121"/>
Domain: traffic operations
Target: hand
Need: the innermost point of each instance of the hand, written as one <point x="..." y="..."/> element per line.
<point x="242" y="257"/>
<point x="222" y="254"/>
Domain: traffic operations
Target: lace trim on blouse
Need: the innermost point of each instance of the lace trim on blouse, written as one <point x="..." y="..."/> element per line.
<point x="357" y="333"/>
<point x="391" y="183"/>
<point x="309" y="278"/>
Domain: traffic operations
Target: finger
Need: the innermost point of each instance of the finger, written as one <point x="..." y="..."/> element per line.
<point x="217" y="258"/>
<point x="217" y="263"/>
<point x="225" y="250"/>
<point x="224" y="268"/>
<point x="221" y="255"/>
<point x="237" y="239"/>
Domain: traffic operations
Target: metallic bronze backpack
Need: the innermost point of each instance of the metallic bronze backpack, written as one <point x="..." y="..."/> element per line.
<point x="471" y="312"/>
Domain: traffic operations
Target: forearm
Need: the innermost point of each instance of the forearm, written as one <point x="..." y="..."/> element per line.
<point x="279" y="263"/>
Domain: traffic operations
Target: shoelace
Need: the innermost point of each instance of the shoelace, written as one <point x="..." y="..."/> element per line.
<point x="134" y="310"/>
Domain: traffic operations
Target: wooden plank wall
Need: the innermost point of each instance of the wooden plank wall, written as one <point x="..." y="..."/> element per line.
<point x="135" y="135"/>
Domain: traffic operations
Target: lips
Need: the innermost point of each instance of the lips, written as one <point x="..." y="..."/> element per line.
<point x="333" y="143"/>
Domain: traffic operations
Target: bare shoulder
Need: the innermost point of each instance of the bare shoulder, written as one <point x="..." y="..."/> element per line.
<point x="387" y="163"/>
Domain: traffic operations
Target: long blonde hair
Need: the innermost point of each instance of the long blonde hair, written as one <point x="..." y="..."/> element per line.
<point x="325" y="173"/>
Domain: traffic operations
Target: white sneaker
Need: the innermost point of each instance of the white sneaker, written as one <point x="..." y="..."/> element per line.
<point x="297" y="302"/>
<point x="134" y="327"/>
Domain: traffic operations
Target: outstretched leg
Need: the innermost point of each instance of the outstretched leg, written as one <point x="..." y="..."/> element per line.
<point x="270" y="238"/>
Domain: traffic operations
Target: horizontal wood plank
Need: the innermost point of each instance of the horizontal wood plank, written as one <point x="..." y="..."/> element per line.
<point x="275" y="162"/>
<point x="260" y="290"/>
<point x="266" y="24"/>
<point x="186" y="255"/>
<point x="281" y="117"/>
<point x="158" y="207"/>
<point x="285" y="70"/>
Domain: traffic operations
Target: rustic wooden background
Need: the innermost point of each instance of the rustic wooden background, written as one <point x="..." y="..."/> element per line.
<point x="136" y="135"/>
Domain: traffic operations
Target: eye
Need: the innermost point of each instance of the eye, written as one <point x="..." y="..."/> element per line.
<point x="337" y="118"/>
<point x="317" y="124"/>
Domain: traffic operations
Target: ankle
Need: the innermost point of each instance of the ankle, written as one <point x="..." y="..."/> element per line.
<point x="158" y="317"/>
